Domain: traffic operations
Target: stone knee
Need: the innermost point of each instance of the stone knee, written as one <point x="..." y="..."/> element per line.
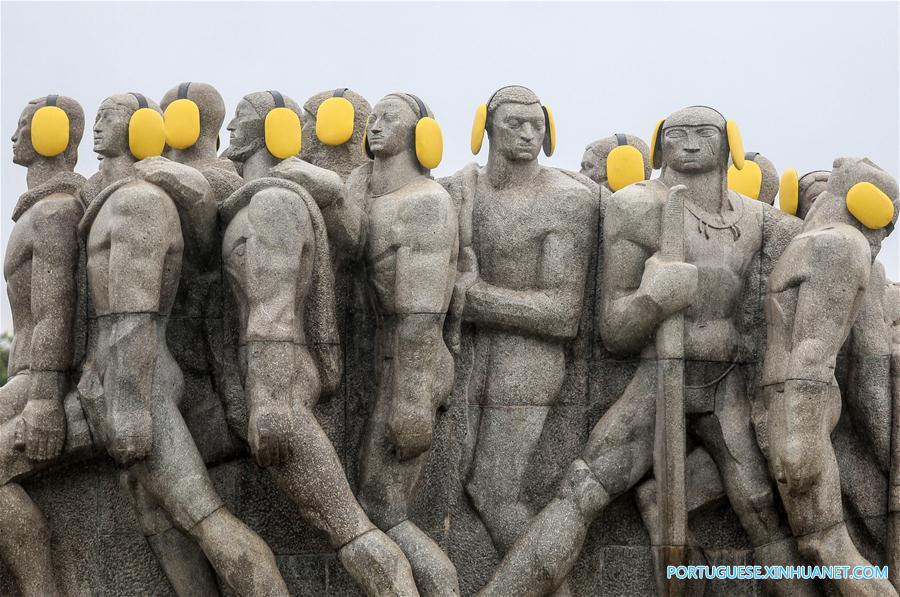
<point x="581" y="486"/>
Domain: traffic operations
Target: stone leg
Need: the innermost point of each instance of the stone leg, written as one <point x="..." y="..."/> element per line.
<point x="801" y="418"/>
<point x="315" y="481"/>
<point x="507" y="439"/>
<point x="618" y="454"/>
<point x="181" y="558"/>
<point x="175" y="477"/>
<point x="24" y="536"/>
<point x="729" y="438"/>
<point x="386" y="490"/>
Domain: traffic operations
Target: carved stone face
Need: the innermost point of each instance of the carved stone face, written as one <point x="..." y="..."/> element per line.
<point x="244" y="127"/>
<point x="693" y="149"/>
<point x="391" y="127"/>
<point x="593" y="166"/>
<point x="517" y="130"/>
<point x="23" y="151"/>
<point x="111" y="130"/>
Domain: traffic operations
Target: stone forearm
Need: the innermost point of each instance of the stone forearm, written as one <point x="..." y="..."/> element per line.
<point x="542" y="313"/>
<point x="629" y="323"/>
<point x="270" y="372"/>
<point x="134" y="347"/>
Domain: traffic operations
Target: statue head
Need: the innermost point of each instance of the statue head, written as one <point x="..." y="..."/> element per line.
<point x="757" y="180"/>
<point x="594" y="161"/>
<point x="516" y="123"/>
<point x="402" y="123"/>
<point x="250" y="132"/>
<point x="343" y="157"/>
<point x="693" y="140"/>
<point x="130" y="125"/>
<point x="54" y="134"/>
<point x="809" y="187"/>
<point x="862" y="194"/>
<point x="194" y="114"/>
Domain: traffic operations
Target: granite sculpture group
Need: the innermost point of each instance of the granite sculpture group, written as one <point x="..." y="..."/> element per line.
<point x="180" y="310"/>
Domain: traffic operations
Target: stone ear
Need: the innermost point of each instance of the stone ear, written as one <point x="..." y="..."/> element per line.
<point x="549" y="132"/>
<point x="334" y="119"/>
<point x="478" y="126"/>
<point x="656" y="146"/>
<point x="50" y="129"/>
<point x="747" y="181"/>
<point x="789" y="192"/>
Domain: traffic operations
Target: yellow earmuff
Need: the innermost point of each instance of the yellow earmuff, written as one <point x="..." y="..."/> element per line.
<point x="283" y="133"/>
<point x="182" y="120"/>
<point x="50" y="129"/>
<point x="146" y="130"/>
<point x="479" y="123"/>
<point x="334" y="119"/>
<point x="655" y="154"/>
<point x="789" y="192"/>
<point x="732" y="133"/>
<point x="624" y="164"/>
<point x="746" y="181"/>
<point x="870" y="205"/>
<point x="429" y="138"/>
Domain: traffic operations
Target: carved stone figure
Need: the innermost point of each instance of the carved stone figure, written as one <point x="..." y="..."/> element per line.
<point x="343" y="157"/>
<point x="814" y="296"/>
<point x="593" y="163"/>
<point x="642" y="288"/>
<point x="811" y="185"/>
<point x="40" y="271"/>
<point x="277" y="263"/>
<point x="527" y="233"/>
<point x="402" y="226"/>
<point x="194" y="333"/>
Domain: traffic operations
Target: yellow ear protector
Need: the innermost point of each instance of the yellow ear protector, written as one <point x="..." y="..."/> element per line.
<point x="146" y="130"/>
<point x="870" y="205"/>
<point x="747" y="181"/>
<point x="334" y="119"/>
<point x="480" y="122"/>
<point x="282" y="129"/>
<point x="182" y="118"/>
<point x="789" y="192"/>
<point x="50" y="129"/>
<point x="733" y="134"/>
<point x="624" y="164"/>
<point x="429" y="139"/>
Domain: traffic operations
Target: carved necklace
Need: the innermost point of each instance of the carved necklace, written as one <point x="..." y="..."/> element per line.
<point x="705" y="220"/>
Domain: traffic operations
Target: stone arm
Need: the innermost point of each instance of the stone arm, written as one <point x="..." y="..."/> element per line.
<point x="196" y="202"/>
<point x="53" y="300"/>
<point x="144" y="231"/>
<point x="344" y="219"/>
<point x="423" y="371"/>
<point x="551" y="310"/>
<point x="278" y="223"/>
<point x="828" y="299"/>
<point x="869" y="392"/>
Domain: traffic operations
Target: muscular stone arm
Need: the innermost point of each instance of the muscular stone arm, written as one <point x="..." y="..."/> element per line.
<point x="828" y="300"/>
<point x="53" y="288"/>
<point x="277" y="226"/>
<point x="423" y="373"/>
<point x="144" y="228"/>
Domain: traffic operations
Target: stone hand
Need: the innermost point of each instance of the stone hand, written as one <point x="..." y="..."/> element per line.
<point x="41" y="430"/>
<point x="411" y="429"/>
<point x="270" y="433"/>
<point x="131" y="436"/>
<point x="671" y="285"/>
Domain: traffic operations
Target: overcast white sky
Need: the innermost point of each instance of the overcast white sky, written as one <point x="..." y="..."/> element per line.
<point x="806" y="82"/>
